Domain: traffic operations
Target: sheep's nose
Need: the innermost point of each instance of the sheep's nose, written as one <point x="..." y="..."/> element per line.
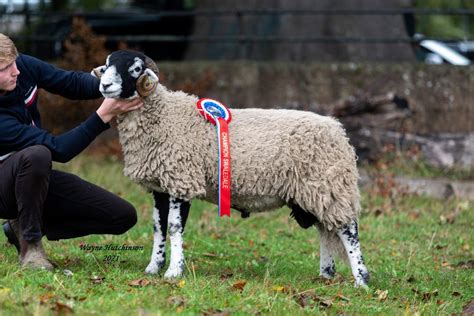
<point x="106" y="85"/>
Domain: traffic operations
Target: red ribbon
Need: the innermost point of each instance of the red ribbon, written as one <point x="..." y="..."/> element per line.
<point x="217" y="113"/>
<point x="224" y="167"/>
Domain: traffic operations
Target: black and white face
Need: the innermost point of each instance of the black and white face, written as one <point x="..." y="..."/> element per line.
<point x="120" y="74"/>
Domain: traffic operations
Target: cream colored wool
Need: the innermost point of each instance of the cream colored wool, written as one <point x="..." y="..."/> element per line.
<point x="278" y="156"/>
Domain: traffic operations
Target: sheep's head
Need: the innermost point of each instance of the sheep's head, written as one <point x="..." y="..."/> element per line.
<point x="127" y="74"/>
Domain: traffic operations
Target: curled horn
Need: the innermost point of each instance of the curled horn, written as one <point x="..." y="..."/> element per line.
<point x="149" y="63"/>
<point x="98" y="71"/>
<point x="148" y="81"/>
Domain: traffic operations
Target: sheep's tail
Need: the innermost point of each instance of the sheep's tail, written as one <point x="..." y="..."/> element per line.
<point x="334" y="243"/>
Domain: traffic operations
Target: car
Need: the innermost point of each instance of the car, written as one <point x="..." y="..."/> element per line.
<point x="436" y="52"/>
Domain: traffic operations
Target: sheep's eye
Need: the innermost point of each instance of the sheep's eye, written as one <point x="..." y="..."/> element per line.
<point x="137" y="69"/>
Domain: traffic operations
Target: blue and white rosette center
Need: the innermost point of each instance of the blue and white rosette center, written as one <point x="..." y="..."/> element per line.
<point x="214" y="109"/>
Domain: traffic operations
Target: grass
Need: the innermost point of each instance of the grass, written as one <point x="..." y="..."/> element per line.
<point x="419" y="252"/>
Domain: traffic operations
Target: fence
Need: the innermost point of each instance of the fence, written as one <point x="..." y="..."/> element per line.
<point x="58" y="28"/>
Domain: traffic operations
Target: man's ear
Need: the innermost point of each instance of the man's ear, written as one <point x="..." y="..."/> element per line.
<point x="97" y="72"/>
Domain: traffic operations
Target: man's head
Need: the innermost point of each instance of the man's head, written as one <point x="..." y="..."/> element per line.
<point x="8" y="70"/>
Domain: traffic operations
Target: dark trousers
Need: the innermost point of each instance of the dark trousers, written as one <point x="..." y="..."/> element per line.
<point x="57" y="204"/>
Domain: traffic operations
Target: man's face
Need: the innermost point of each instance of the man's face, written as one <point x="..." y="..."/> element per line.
<point x="8" y="75"/>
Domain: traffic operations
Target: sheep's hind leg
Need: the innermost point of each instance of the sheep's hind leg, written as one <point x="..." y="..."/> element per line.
<point x="179" y="210"/>
<point x="327" y="267"/>
<point x="160" y="224"/>
<point x="349" y="236"/>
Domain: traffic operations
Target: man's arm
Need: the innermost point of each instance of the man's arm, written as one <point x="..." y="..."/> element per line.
<point x="74" y="85"/>
<point x="64" y="147"/>
<point x="17" y="135"/>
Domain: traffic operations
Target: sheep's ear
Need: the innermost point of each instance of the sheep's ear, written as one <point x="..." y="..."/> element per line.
<point x="147" y="83"/>
<point x="97" y="72"/>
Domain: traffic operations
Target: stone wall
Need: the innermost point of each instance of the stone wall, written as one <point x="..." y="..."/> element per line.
<point x="441" y="97"/>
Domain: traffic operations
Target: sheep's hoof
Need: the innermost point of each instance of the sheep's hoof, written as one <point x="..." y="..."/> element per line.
<point x="363" y="279"/>
<point x="328" y="272"/>
<point x="326" y="276"/>
<point x="173" y="272"/>
<point x="361" y="284"/>
<point x="153" y="268"/>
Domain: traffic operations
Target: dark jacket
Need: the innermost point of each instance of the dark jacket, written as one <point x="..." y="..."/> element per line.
<point x="20" y="122"/>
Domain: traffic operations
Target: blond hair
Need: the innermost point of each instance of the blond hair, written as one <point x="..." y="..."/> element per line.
<point x="8" y="51"/>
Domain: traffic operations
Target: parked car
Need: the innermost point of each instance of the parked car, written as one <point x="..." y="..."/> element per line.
<point x="436" y="52"/>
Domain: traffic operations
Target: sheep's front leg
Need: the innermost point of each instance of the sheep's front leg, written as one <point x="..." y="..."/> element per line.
<point x="349" y="236"/>
<point x="179" y="210"/>
<point x="160" y="224"/>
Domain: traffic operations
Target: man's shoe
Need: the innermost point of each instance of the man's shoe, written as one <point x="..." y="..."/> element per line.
<point x="33" y="256"/>
<point x="11" y="230"/>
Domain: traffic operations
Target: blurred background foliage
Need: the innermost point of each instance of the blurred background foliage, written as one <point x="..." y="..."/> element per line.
<point x="446" y="26"/>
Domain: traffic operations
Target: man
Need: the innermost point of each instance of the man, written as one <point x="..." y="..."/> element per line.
<point x="36" y="199"/>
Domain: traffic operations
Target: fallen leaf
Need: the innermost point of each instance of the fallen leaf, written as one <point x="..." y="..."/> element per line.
<point x="456" y="294"/>
<point x="215" y="312"/>
<point x="181" y="284"/>
<point x="310" y="298"/>
<point x="4" y="291"/>
<point x="226" y="275"/>
<point x="426" y="296"/>
<point x="381" y="295"/>
<point x="216" y="236"/>
<point x="177" y="301"/>
<point x="468" y="309"/>
<point x="336" y="280"/>
<point x="45" y="298"/>
<point x="325" y="303"/>
<point x="342" y="297"/>
<point x="378" y="212"/>
<point x="47" y="287"/>
<point x="63" y="309"/>
<point x="95" y="279"/>
<point x="465" y="264"/>
<point x="278" y="288"/>
<point x="239" y="285"/>
<point x="302" y="300"/>
<point x="464" y="205"/>
<point x="139" y="282"/>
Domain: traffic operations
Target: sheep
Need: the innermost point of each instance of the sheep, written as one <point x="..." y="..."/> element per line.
<point x="279" y="157"/>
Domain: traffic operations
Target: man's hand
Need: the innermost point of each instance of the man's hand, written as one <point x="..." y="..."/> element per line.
<point x="113" y="107"/>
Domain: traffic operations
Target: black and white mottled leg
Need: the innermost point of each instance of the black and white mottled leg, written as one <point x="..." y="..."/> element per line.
<point x="349" y="236"/>
<point x="178" y="214"/>
<point x="160" y="223"/>
<point x="327" y="267"/>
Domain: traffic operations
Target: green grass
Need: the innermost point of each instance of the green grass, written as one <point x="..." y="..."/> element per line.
<point x="414" y="247"/>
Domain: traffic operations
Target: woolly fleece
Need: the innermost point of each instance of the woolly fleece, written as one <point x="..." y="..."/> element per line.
<point x="278" y="157"/>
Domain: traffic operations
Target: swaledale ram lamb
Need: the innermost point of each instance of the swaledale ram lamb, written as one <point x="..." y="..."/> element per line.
<point x="279" y="157"/>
